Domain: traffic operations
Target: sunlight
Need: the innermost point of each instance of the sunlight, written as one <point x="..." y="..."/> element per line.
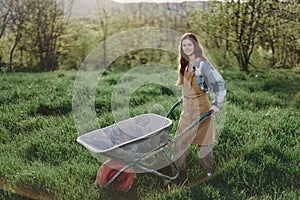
<point x="155" y="1"/>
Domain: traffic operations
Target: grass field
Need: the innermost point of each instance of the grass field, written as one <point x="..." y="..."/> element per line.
<point x="256" y="155"/>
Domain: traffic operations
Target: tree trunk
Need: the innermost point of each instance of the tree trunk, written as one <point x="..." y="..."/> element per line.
<point x="10" y="67"/>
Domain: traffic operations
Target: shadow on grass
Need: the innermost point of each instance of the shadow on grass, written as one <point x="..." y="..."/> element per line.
<point x="265" y="171"/>
<point x="10" y="195"/>
<point x="113" y="194"/>
<point x="53" y="109"/>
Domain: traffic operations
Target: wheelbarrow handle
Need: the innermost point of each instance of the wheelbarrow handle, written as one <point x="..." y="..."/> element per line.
<point x="173" y="108"/>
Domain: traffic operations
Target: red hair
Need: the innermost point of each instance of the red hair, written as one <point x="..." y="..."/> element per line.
<point x="184" y="59"/>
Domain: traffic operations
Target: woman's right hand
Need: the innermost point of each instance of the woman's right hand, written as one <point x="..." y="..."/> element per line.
<point x="181" y="100"/>
<point x="215" y="109"/>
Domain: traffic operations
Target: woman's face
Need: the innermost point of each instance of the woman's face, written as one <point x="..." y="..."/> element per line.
<point x="188" y="47"/>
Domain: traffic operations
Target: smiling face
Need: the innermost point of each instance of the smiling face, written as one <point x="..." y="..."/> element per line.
<point x="188" y="47"/>
<point x="189" y="50"/>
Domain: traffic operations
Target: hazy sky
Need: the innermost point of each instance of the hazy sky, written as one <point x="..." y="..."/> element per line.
<point x="157" y="1"/>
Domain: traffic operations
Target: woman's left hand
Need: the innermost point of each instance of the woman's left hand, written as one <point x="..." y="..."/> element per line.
<point x="215" y="109"/>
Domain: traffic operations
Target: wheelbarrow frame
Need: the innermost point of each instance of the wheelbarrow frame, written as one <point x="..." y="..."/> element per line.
<point x="135" y="163"/>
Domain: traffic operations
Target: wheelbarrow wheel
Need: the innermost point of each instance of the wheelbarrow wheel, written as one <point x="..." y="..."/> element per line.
<point x="108" y="170"/>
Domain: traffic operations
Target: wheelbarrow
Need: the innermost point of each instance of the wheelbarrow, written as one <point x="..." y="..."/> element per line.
<point x="137" y="145"/>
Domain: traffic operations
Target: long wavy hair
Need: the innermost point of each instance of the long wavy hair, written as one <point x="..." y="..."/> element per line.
<point x="184" y="59"/>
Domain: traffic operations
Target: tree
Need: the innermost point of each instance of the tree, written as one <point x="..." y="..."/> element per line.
<point x="47" y="21"/>
<point x="75" y="44"/>
<point x="280" y="32"/>
<point x="103" y="12"/>
<point x="244" y="25"/>
<point x="5" y="9"/>
<point x="236" y="24"/>
<point x="210" y="22"/>
<point x="17" y="18"/>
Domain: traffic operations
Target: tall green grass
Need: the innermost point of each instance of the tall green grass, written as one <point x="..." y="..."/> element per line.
<point x="256" y="155"/>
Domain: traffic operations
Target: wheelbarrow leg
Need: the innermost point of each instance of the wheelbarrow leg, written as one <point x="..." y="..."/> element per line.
<point x="175" y="173"/>
<point x="171" y="161"/>
<point x="115" y="177"/>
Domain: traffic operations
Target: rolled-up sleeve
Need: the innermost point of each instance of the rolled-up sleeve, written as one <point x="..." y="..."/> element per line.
<point x="215" y="83"/>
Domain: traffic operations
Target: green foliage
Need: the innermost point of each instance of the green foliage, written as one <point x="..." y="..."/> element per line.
<point x="247" y="28"/>
<point x="75" y="44"/>
<point x="256" y="155"/>
<point x="249" y="34"/>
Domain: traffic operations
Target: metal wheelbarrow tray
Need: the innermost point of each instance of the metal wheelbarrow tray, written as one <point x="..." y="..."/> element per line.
<point x="129" y="139"/>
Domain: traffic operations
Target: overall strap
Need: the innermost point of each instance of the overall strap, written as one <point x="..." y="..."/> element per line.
<point x="199" y="75"/>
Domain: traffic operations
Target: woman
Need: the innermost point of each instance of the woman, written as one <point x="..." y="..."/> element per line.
<point x="197" y="77"/>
